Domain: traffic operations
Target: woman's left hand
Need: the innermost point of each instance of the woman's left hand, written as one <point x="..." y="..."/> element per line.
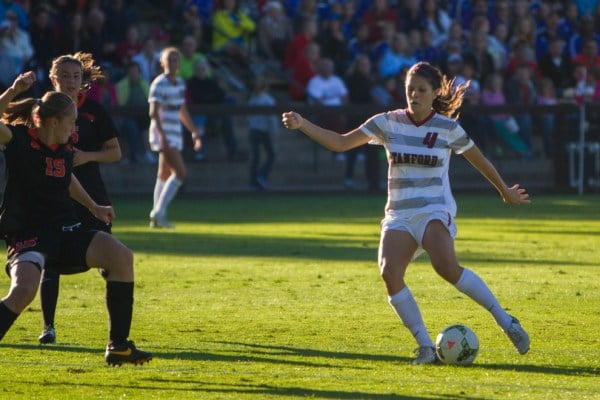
<point x="79" y="157"/>
<point x="516" y="195"/>
<point x="104" y="213"/>
<point x="197" y="143"/>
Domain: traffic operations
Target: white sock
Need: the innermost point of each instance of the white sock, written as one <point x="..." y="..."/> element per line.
<point x="474" y="287"/>
<point x="406" y="308"/>
<point x="168" y="193"/>
<point x="158" y="188"/>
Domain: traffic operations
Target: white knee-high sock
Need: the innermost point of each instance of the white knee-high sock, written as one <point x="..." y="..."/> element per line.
<point x="473" y="286"/>
<point x="158" y="188"/>
<point x="406" y="308"/>
<point x="169" y="191"/>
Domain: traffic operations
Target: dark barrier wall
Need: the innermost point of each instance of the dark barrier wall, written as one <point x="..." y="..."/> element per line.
<point x="566" y="120"/>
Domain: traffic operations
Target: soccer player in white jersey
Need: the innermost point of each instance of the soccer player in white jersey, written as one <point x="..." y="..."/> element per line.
<point x="420" y="210"/>
<point x="167" y="111"/>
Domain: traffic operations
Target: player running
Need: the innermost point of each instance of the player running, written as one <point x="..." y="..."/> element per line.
<point x="95" y="141"/>
<point x="420" y="210"/>
<point x="38" y="220"/>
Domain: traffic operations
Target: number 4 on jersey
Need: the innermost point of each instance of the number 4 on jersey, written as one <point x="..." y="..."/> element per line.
<point x="430" y="139"/>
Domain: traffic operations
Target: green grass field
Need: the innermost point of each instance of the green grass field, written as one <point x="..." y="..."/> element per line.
<point x="279" y="297"/>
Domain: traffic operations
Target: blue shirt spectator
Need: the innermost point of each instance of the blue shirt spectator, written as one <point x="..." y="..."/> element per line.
<point x="10" y="5"/>
<point x="397" y="57"/>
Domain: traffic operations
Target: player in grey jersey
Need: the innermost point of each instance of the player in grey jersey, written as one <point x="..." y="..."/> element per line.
<point x="420" y="210"/>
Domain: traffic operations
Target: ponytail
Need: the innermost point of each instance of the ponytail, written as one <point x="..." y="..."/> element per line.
<point x="450" y="97"/>
<point x="33" y="112"/>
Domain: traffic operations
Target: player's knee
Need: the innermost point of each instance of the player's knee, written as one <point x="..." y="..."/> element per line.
<point x="119" y="265"/>
<point x="448" y="271"/>
<point x="123" y="256"/>
<point x="21" y="295"/>
<point x="388" y="273"/>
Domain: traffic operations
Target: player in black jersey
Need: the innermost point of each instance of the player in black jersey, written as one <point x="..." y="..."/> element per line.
<point x="39" y="223"/>
<point x="95" y="141"/>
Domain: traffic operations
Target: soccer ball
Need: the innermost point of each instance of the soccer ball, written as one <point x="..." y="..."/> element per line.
<point x="457" y="344"/>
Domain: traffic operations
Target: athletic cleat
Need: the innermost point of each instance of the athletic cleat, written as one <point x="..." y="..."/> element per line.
<point x="125" y="353"/>
<point x="518" y="336"/>
<point x="160" y="222"/>
<point x="48" y="335"/>
<point x="163" y="222"/>
<point x="425" y="355"/>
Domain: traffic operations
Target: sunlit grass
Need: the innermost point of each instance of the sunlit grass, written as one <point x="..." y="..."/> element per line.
<point x="278" y="296"/>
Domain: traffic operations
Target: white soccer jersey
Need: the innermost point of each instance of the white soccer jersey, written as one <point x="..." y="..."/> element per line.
<point x="418" y="158"/>
<point x="170" y="97"/>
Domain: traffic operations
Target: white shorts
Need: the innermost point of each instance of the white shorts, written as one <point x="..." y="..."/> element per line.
<point x="175" y="141"/>
<point x="416" y="225"/>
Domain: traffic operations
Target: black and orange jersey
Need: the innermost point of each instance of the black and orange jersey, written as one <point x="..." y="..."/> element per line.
<point x="93" y="128"/>
<point x="37" y="179"/>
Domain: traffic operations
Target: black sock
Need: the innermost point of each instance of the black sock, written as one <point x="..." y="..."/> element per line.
<point x="119" y="302"/>
<point x="7" y="317"/>
<point x="49" y="295"/>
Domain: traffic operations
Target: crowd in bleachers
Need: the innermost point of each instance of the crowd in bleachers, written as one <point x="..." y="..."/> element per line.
<point x="513" y="51"/>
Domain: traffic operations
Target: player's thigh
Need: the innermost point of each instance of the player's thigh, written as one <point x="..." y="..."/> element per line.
<point x="174" y="161"/>
<point x="396" y="250"/>
<point x="25" y="279"/>
<point x="439" y="245"/>
<point x="25" y="274"/>
<point x="108" y="253"/>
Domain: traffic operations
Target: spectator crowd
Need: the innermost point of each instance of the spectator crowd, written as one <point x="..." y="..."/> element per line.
<point x="326" y="52"/>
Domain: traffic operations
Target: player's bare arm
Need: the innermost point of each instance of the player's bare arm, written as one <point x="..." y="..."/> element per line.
<point x="327" y="138"/>
<point x="21" y="84"/>
<point x="78" y="193"/>
<point x="186" y="119"/>
<point x="510" y="195"/>
<point x="110" y="152"/>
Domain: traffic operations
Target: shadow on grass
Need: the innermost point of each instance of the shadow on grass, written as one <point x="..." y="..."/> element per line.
<point x="296" y="391"/>
<point x="54" y="347"/>
<point x="259" y="352"/>
<point x="543" y="369"/>
<point x="257" y="391"/>
<point x="198" y="244"/>
<point x="278" y="353"/>
<point x="337" y="249"/>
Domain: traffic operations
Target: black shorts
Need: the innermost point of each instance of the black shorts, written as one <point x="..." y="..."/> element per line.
<point x="89" y="221"/>
<point x="65" y="248"/>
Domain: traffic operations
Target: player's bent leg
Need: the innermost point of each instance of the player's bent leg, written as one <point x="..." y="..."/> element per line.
<point x="108" y="253"/>
<point x="396" y="249"/>
<point x="395" y="252"/>
<point x="439" y="245"/>
<point x="49" y="288"/>
<point x="25" y="279"/>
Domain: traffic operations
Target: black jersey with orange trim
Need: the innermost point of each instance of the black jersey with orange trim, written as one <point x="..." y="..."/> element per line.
<point x="37" y="179"/>
<point x="93" y="128"/>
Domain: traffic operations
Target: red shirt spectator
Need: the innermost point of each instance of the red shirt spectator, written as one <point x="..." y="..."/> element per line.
<point x="377" y="16"/>
<point x="588" y="56"/>
<point x="129" y="47"/>
<point x="296" y="46"/>
<point x="522" y="54"/>
<point x="303" y="70"/>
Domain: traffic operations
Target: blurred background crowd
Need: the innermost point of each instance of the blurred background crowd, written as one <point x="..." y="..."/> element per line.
<point x="328" y="52"/>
